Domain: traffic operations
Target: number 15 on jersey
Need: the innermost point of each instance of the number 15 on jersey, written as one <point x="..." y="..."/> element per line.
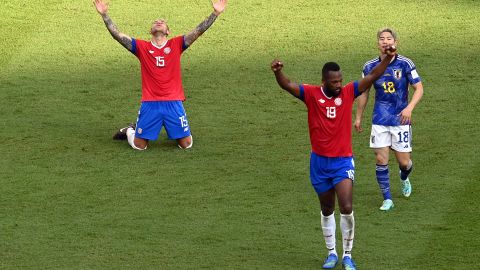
<point x="160" y="61"/>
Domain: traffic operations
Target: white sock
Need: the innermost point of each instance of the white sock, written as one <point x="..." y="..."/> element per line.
<point x="347" y="225"/>
<point x="131" y="138"/>
<point x="328" y="229"/>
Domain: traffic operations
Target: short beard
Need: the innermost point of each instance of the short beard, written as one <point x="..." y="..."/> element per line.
<point x="331" y="93"/>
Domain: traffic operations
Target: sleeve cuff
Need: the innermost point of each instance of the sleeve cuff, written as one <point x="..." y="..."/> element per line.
<point x="302" y="92"/>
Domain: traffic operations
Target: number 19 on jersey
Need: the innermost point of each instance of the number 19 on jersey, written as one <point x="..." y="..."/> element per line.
<point x="331" y="112"/>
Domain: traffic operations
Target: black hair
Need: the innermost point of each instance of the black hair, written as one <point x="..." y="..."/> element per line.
<point x="329" y="66"/>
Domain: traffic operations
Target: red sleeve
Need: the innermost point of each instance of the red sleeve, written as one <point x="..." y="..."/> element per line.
<point x="349" y="90"/>
<point x="139" y="47"/>
<point x="308" y="91"/>
<point x="179" y="43"/>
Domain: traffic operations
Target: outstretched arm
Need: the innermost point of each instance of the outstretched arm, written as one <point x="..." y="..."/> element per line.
<point x="368" y="80"/>
<point x="282" y="80"/>
<point x="102" y="9"/>
<point x="218" y="8"/>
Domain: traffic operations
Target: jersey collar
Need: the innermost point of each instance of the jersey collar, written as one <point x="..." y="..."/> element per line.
<point x="323" y="92"/>
<point x="159" y="47"/>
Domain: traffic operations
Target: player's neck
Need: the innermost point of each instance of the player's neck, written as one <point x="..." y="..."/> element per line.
<point x="159" y="40"/>
<point x="327" y="92"/>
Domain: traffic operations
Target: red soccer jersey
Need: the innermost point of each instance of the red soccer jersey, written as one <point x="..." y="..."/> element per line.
<point x="160" y="68"/>
<point x="330" y="119"/>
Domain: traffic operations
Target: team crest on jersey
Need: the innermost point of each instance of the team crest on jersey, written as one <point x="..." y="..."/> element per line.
<point x="167" y="50"/>
<point x="338" y="101"/>
<point x="397" y="74"/>
<point x="139" y="130"/>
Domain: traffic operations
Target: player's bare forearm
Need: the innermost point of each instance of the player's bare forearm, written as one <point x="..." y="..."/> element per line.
<point x="362" y="103"/>
<point x="123" y="39"/>
<point x="200" y="29"/>
<point x="417" y="95"/>
<point x="368" y="80"/>
<point x="380" y="69"/>
<point x="286" y="84"/>
<point x="406" y="114"/>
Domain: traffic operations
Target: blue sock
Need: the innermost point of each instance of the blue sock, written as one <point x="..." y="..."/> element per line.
<point x="404" y="173"/>
<point x="383" y="180"/>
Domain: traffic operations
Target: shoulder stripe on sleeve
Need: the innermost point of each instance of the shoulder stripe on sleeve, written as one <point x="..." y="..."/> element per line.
<point x="370" y="62"/>
<point x="407" y="60"/>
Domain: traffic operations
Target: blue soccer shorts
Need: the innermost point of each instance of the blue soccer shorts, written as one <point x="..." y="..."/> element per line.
<point x="154" y="115"/>
<point x="326" y="172"/>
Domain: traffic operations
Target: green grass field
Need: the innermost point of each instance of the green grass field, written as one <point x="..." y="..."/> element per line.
<point x="72" y="198"/>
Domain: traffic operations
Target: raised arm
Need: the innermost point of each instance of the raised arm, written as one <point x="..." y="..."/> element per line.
<point x="368" y="80"/>
<point x="282" y="80"/>
<point x="218" y="8"/>
<point x="102" y="9"/>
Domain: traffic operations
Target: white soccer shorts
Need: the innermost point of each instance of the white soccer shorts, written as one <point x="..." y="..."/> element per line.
<point x="399" y="138"/>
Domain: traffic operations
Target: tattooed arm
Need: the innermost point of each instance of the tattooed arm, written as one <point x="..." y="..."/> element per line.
<point x="123" y="39"/>
<point x="218" y="8"/>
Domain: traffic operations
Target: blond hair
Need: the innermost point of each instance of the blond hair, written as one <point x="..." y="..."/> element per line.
<point x="389" y="30"/>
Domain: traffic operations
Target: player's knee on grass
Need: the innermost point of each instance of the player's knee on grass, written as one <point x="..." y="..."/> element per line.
<point x="136" y="143"/>
<point x="185" y="143"/>
<point x="139" y="144"/>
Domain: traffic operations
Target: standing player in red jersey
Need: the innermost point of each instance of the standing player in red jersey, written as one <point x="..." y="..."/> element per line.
<point x="162" y="90"/>
<point x="331" y="162"/>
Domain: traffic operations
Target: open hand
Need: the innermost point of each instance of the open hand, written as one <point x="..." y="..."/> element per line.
<point x="219" y="6"/>
<point x="101" y="6"/>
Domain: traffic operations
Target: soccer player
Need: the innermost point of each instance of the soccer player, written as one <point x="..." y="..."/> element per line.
<point x="392" y="114"/>
<point x="162" y="90"/>
<point x="331" y="162"/>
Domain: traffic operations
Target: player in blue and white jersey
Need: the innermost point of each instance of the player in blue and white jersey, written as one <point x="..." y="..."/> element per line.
<point x="392" y="115"/>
